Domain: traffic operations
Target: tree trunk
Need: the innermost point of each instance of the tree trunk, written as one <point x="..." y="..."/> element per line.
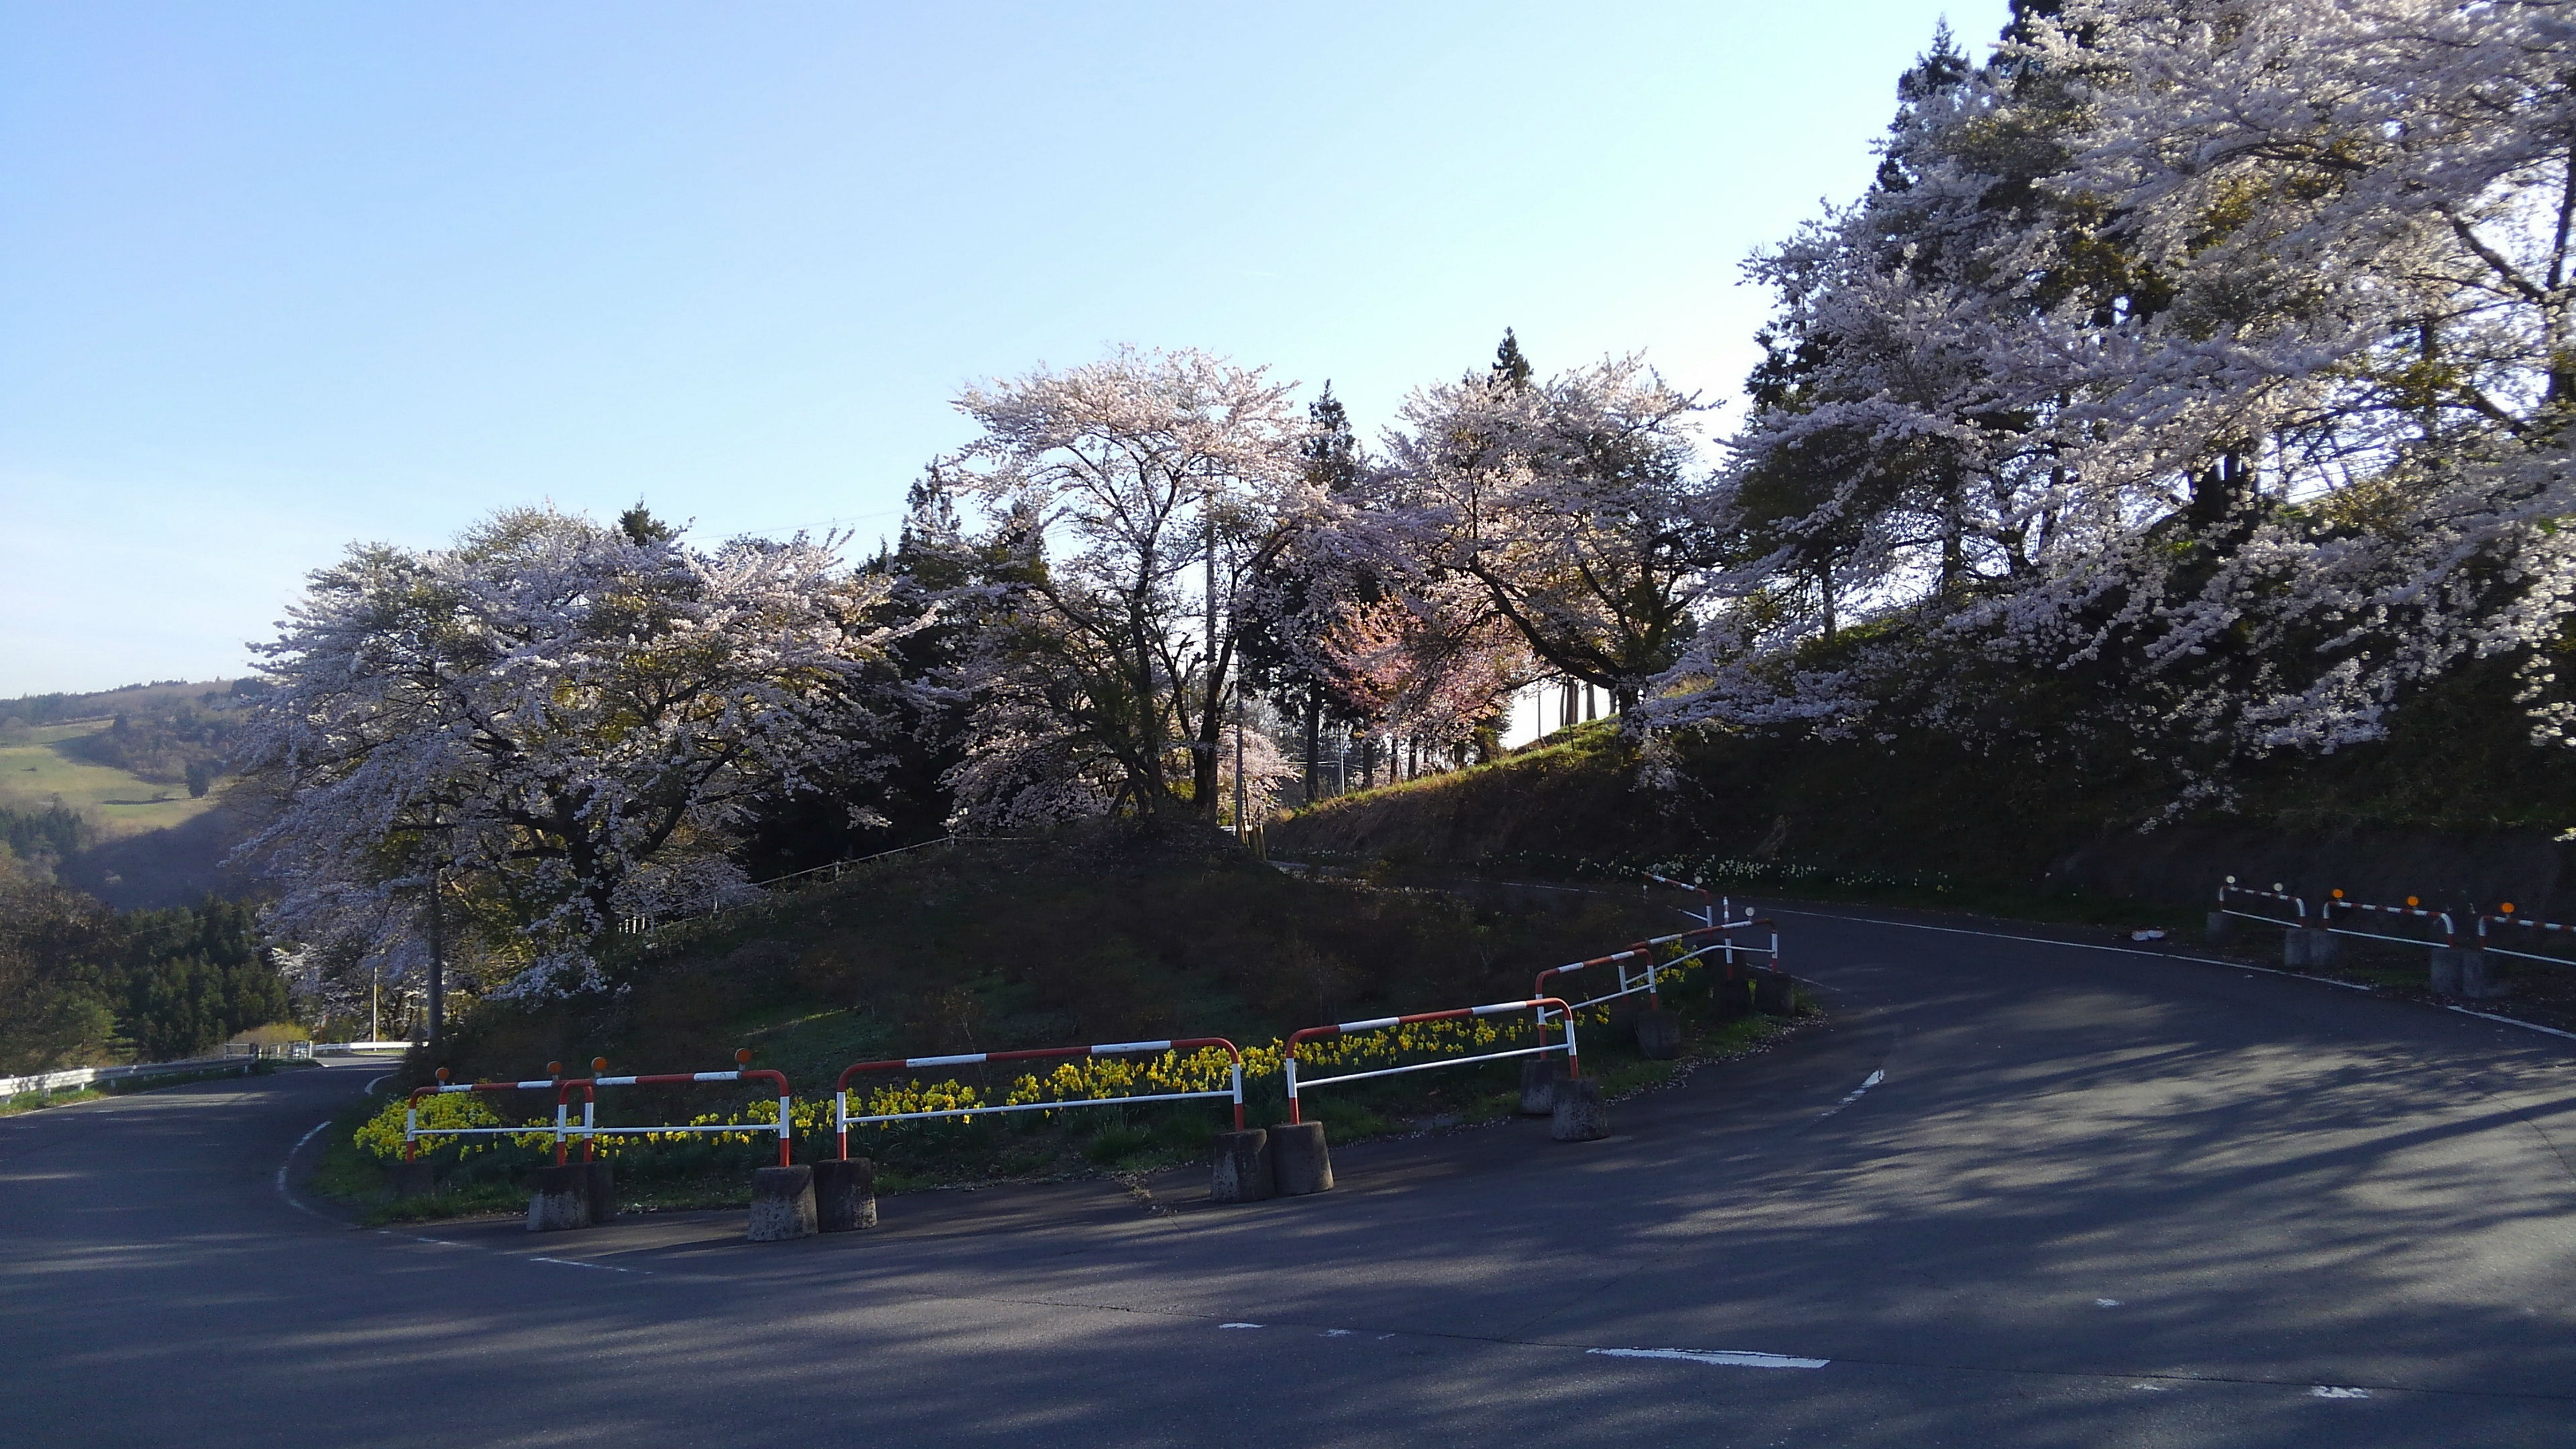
<point x="1314" y="741"/>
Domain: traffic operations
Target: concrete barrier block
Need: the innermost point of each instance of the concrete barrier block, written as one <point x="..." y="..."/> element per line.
<point x="2220" y="929"/>
<point x="1243" y="1170"/>
<point x="559" y="1198"/>
<point x="2484" y="977"/>
<point x="782" y="1204"/>
<point x="845" y="1194"/>
<point x="1659" y="1036"/>
<point x="2446" y="970"/>
<point x="599" y="1185"/>
<point x="1731" y="993"/>
<point x="1582" y="1114"/>
<point x="1774" y="994"/>
<point x="1539" y="1076"/>
<point x="1300" y="1163"/>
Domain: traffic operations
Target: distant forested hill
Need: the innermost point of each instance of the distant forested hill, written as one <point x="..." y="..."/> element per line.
<point x="123" y="793"/>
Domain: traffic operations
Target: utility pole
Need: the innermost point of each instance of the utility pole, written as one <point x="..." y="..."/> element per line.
<point x="1242" y="830"/>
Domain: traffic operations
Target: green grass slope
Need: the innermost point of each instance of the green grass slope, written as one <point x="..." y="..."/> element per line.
<point x="2456" y="805"/>
<point x="44" y="769"/>
<point x="1111" y="933"/>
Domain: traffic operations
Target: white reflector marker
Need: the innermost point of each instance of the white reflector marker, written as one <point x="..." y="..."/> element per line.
<point x="1717" y="1356"/>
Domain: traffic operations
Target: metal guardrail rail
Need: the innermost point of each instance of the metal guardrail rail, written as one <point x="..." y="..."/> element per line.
<point x="76" y="1077"/>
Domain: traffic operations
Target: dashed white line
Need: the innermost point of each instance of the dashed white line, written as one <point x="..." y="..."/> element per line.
<point x="2328" y="1391"/>
<point x="1854" y="1094"/>
<point x="1732" y="1358"/>
<point x="1238" y="1325"/>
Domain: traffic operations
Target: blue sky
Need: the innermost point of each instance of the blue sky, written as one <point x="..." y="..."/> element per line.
<point x="277" y="278"/>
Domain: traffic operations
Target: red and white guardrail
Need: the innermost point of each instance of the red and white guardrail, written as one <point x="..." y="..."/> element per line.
<point x="743" y="1072"/>
<point x="588" y="1129"/>
<point x="2504" y="916"/>
<point x="1288" y="1058"/>
<point x="842" y="1121"/>
<point x="2412" y="910"/>
<point x="1642" y="954"/>
<point x="2276" y="893"/>
<point x="1712" y="913"/>
<point x="554" y="1083"/>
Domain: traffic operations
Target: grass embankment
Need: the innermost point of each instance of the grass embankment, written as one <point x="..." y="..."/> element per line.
<point x="42" y="771"/>
<point x="2456" y="802"/>
<point x="1107" y="934"/>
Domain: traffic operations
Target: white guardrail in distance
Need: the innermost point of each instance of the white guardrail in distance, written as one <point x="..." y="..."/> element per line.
<point x="92" y="1076"/>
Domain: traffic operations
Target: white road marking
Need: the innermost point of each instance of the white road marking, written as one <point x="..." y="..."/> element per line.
<point x="2106" y="1302"/>
<point x="1337" y="1333"/>
<point x="1853" y="1095"/>
<point x="2323" y="1391"/>
<point x="2509" y="1021"/>
<point x="2084" y="946"/>
<point x="1238" y="1325"/>
<point x="318" y="1128"/>
<point x="1731" y="1357"/>
<point x="291" y="1200"/>
<point x="2169" y="956"/>
<point x="577" y="1263"/>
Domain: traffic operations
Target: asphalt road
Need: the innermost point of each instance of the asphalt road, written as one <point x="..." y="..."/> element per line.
<point x="2092" y="1198"/>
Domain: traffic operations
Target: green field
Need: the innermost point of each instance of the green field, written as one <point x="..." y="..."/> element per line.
<point x="38" y="773"/>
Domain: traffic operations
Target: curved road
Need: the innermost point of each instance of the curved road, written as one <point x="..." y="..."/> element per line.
<point x="2093" y="1197"/>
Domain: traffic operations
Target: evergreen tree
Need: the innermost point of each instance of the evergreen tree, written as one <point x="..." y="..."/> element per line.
<point x="641" y="527"/>
<point x="1509" y="363"/>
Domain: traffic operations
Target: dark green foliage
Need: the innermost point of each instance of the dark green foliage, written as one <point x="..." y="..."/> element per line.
<point x="57" y="831"/>
<point x="641" y="527"/>
<point x="1509" y="363"/>
<point x="80" y="983"/>
<point x="904" y="797"/>
<point x="194" y="977"/>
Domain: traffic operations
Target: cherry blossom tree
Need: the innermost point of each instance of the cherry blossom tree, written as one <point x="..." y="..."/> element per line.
<point x="1136" y="498"/>
<point x="570" y="719"/>
<point x="1571" y="508"/>
<point x="2210" y="355"/>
